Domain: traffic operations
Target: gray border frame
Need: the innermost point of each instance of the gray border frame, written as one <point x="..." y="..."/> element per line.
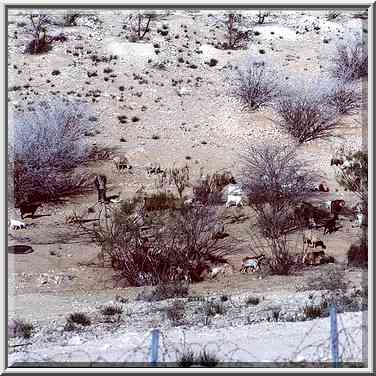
<point x="369" y="7"/>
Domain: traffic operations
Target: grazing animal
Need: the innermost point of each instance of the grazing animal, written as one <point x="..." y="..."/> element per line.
<point x="234" y="189"/>
<point x="319" y="243"/>
<point x="122" y="163"/>
<point x="154" y="169"/>
<point x="100" y="182"/>
<point x="27" y="208"/>
<point x="218" y="231"/>
<point x="218" y="181"/>
<point x="234" y="200"/>
<point x="313" y="257"/>
<point x="336" y="206"/>
<point x="330" y="224"/>
<point x="251" y="263"/>
<point x="220" y="269"/>
<point x="17" y="225"/>
<point x="323" y="187"/>
<point x="311" y="239"/>
<point x="336" y="162"/>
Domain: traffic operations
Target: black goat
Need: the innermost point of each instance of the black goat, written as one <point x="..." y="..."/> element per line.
<point x="330" y="224"/>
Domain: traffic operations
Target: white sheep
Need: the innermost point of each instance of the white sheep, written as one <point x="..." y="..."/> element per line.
<point x="17" y="225"/>
<point x="234" y="199"/>
<point x="234" y="189"/>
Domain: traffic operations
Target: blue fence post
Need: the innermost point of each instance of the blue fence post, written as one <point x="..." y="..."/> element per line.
<point x="154" y="347"/>
<point x="334" y="335"/>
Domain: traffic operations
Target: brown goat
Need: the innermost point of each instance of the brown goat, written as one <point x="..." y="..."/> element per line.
<point x="28" y="208"/>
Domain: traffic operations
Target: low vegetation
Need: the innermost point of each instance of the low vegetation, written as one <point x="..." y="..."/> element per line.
<point x="255" y="84"/>
<point x="111" y="310"/>
<point x="275" y="181"/>
<point x="164" y="246"/>
<point x="330" y="277"/>
<point x="20" y="328"/>
<point x="163" y="291"/>
<point x="175" y="313"/>
<point x="79" y="318"/>
<point x="204" y="358"/>
<point x="350" y="61"/>
<point x="305" y="112"/>
<point x="48" y="144"/>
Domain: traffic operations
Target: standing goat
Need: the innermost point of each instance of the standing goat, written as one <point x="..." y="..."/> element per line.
<point x="121" y="163"/>
<point x="251" y="263"/>
<point x="100" y="182"/>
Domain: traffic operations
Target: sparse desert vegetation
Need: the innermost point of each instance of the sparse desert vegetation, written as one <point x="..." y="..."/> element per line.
<point x="198" y="171"/>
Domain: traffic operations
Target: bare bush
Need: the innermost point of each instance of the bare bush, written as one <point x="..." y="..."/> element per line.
<point x="161" y="201"/>
<point x="177" y="289"/>
<point x="273" y="174"/>
<point x="20" y="328"/>
<point x="333" y="14"/>
<point x="344" y="97"/>
<point x="355" y="177"/>
<point x="236" y="34"/>
<point x="165" y="247"/>
<point x="357" y="254"/>
<point x="351" y="59"/>
<point x="46" y="145"/>
<point x="179" y="177"/>
<point x="175" y="313"/>
<point x="256" y="84"/>
<point x="330" y="277"/>
<point x="208" y="189"/>
<point x="261" y="16"/>
<point x="138" y="25"/>
<point x="275" y="181"/>
<point x="41" y="42"/>
<point x="305" y="111"/>
<point x="70" y="18"/>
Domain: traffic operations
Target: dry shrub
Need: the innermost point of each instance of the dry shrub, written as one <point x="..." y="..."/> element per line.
<point x="357" y="254"/>
<point x="275" y="181"/>
<point x="20" y="328"/>
<point x="164" y="246"/>
<point x="41" y="42"/>
<point x="208" y="189"/>
<point x="236" y="34"/>
<point x="330" y="277"/>
<point x="179" y="177"/>
<point x="355" y="177"/>
<point x="178" y="289"/>
<point x="70" y="19"/>
<point x="255" y="84"/>
<point x="46" y="145"/>
<point x="305" y="111"/>
<point x="344" y="97"/>
<point x="138" y="25"/>
<point x="175" y="313"/>
<point x="351" y="59"/>
<point x="161" y="201"/>
<point x="80" y="318"/>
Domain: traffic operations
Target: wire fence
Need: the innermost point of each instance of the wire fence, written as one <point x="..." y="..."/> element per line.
<point x="330" y="342"/>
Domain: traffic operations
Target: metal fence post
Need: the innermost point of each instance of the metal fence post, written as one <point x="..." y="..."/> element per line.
<point x="154" y="344"/>
<point x="334" y="335"/>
